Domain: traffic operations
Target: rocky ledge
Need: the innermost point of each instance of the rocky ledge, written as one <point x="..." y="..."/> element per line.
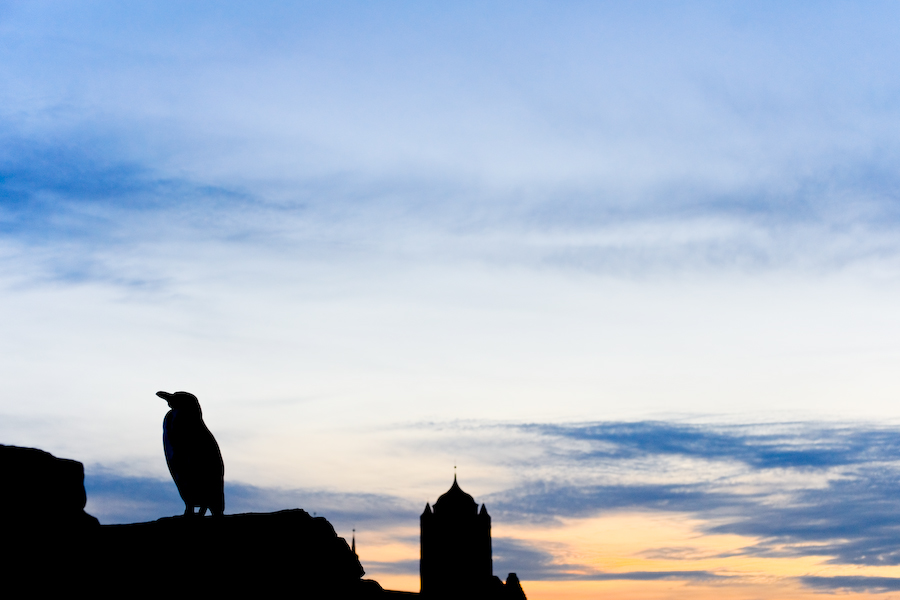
<point x="50" y="546"/>
<point x="282" y="553"/>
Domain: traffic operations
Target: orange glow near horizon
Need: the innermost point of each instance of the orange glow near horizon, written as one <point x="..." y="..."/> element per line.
<point x="642" y="542"/>
<point x="666" y="590"/>
<point x="386" y="547"/>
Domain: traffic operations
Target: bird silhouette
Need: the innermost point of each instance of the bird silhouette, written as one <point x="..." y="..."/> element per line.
<point x="193" y="455"/>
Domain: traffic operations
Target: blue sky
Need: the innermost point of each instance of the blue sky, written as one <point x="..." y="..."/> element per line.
<point x="347" y="226"/>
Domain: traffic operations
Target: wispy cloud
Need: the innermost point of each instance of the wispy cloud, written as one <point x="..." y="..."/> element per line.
<point x="704" y="165"/>
<point x="804" y="489"/>
<point x="88" y="212"/>
<point x="787" y="445"/>
<point x="116" y="498"/>
<point x="851" y="583"/>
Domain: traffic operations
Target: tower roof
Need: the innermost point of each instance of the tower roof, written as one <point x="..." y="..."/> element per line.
<point x="455" y="500"/>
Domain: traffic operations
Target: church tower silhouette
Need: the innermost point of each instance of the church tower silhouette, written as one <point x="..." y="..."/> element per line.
<point x="456" y="550"/>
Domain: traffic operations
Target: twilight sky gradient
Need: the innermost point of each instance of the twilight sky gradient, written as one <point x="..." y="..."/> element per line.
<point x="634" y="267"/>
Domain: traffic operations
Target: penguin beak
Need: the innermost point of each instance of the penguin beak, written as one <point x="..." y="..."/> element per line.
<point x="167" y="397"/>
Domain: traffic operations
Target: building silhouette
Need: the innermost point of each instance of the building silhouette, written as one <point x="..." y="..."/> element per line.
<point x="456" y="551"/>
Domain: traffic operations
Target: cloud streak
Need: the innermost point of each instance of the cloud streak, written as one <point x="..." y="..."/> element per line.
<point x="87" y="211"/>
<point x="850" y="583"/>
<point x="827" y="491"/>
<point x="117" y="498"/>
<point x="348" y="138"/>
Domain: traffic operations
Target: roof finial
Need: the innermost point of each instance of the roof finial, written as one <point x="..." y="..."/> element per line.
<point x="454" y="473"/>
<point x="353" y="544"/>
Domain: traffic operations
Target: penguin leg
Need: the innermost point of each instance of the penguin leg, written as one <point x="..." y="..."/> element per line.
<point x="202" y="511"/>
<point x="188" y="510"/>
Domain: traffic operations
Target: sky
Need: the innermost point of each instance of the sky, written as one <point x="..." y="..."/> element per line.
<point x="632" y="268"/>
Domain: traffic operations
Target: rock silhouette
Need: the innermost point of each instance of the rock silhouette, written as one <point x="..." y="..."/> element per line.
<point x="42" y="491"/>
<point x="193" y="455"/>
<point x="246" y="555"/>
<point x="43" y="526"/>
<point x="52" y="548"/>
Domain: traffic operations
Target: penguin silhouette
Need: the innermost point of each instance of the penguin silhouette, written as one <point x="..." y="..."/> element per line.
<point x="193" y="455"/>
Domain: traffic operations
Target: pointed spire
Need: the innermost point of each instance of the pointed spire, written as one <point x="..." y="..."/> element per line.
<point x="455" y="483"/>
<point x="353" y="545"/>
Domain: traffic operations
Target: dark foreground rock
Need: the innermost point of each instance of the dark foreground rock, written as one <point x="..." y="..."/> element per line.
<point x="45" y="535"/>
<point x="49" y="547"/>
<point x="40" y="491"/>
<point x="287" y="552"/>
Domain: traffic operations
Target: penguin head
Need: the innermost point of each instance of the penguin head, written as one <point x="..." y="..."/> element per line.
<point x="181" y="401"/>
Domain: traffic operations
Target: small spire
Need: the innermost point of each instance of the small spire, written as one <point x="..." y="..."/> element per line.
<point x="353" y="544"/>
